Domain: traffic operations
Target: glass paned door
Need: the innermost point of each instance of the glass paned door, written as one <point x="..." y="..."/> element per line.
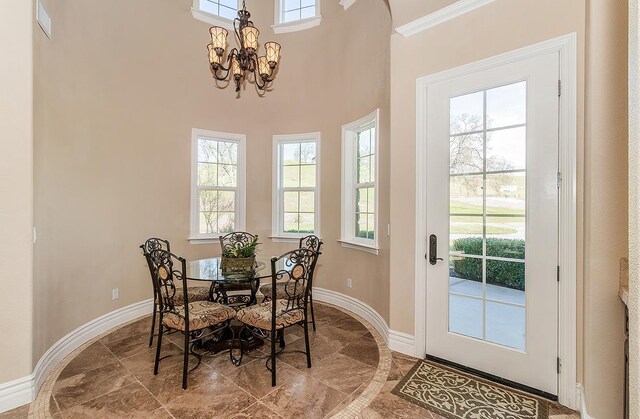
<point x="492" y="218"/>
<point x="487" y="212"/>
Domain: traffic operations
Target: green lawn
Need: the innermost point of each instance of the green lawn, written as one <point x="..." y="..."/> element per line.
<point x="477" y="229"/>
<point x="458" y="207"/>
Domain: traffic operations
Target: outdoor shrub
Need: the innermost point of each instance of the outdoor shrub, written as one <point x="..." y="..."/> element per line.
<point x="505" y="274"/>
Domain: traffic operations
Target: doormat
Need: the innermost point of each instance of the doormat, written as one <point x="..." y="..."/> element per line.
<point x="457" y="395"/>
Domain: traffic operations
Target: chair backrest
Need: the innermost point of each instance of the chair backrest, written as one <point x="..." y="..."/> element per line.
<point x="311" y="242"/>
<point x="150" y="245"/>
<point x="295" y="270"/>
<point x="314" y="243"/>
<point x="155" y="243"/>
<point x="235" y="240"/>
<point x="165" y="278"/>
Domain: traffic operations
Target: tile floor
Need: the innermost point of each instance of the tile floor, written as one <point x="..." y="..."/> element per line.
<point x="113" y="378"/>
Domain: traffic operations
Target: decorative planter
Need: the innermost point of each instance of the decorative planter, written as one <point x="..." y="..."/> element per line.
<point x="238" y="265"/>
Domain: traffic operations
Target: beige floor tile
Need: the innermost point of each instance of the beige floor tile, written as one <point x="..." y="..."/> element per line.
<point x="342" y="372"/>
<point x="21" y="412"/>
<point x="94" y="356"/>
<point x="255" y="378"/>
<point x="142" y="326"/>
<point x="132" y="401"/>
<point x="91" y="384"/>
<point x="217" y="398"/>
<point x="364" y="350"/>
<point x="304" y="397"/>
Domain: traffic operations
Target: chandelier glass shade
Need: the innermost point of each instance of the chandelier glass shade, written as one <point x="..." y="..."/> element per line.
<point x="241" y="63"/>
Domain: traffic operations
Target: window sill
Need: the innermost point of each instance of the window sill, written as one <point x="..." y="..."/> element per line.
<point x="298" y="25"/>
<point x="203" y="240"/>
<point x="359" y="246"/>
<point x="212" y="19"/>
<point x="347" y="3"/>
<point x="286" y="239"/>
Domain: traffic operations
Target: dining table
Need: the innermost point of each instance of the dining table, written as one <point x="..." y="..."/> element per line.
<point x="225" y="287"/>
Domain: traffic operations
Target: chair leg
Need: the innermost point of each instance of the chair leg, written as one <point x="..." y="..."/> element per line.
<point x="313" y="316"/>
<point x="159" y="343"/>
<point x="306" y="341"/>
<point x="237" y="361"/>
<point x="273" y="358"/>
<point x="185" y="362"/>
<point x="282" y="342"/>
<point x="153" y="323"/>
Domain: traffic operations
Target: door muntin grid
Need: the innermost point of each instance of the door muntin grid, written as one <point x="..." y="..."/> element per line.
<point x="487" y="215"/>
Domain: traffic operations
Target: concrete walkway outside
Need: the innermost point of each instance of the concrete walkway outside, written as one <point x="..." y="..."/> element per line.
<point x="505" y="323"/>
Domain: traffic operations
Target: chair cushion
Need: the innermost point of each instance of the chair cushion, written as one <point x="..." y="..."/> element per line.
<point x="201" y="314"/>
<point x="281" y="294"/>
<point x="259" y="315"/>
<point x="194" y="293"/>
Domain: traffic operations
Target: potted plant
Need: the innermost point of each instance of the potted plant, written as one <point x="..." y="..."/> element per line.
<point x="240" y="258"/>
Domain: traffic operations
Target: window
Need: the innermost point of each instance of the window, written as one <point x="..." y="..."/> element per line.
<point x="360" y="184"/>
<point x="293" y="10"/>
<point x="216" y="12"/>
<point x="296" y="198"/>
<point x="217" y="185"/>
<point x="295" y="15"/>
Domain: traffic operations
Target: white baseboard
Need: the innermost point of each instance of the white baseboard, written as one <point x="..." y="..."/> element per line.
<point x="396" y="341"/>
<point x="582" y="403"/>
<point x="402" y="342"/>
<point x="24" y="390"/>
<point x="16" y="393"/>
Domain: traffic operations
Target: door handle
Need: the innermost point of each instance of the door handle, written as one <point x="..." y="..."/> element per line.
<point x="433" y="250"/>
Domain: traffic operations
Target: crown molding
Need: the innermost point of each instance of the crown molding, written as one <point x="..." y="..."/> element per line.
<point x="445" y="14"/>
<point x="346" y="3"/>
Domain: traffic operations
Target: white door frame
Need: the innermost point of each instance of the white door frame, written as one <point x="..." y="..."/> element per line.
<point x="566" y="46"/>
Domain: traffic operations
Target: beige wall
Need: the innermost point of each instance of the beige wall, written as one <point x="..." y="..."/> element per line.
<point x="117" y="92"/>
<point x="16" y="186"/>
<point x="605" y="204"/>
<point x="634" y="206"/>
<point x="405" y="11"/>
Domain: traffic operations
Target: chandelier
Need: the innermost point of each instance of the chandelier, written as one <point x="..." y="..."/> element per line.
<point x="241" y="63"/>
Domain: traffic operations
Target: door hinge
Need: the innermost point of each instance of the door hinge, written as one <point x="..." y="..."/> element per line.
<point x="559" y="364"/>
<point x="558" y="274"/>
<point x="559" y="88"/>
<point x="559" y="179"/>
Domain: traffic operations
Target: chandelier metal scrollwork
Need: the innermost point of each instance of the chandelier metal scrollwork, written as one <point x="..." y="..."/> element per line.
<point x="241" y="63"/>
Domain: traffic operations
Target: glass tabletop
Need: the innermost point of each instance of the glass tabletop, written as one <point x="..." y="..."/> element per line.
<point x="209" y="270"/>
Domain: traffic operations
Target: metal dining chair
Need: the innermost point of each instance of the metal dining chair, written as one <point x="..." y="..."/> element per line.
<point x="310" y="242"/>
<point x="195" y="320"/>
<point x="270" y="319"/>
<point x="195" y="293"/>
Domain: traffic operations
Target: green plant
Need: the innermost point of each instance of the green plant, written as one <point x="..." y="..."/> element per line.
<point x="240" y="251"/>
<point x="502" y="273"/>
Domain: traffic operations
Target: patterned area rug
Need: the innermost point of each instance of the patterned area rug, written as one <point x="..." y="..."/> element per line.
<point x="457" y="395"/>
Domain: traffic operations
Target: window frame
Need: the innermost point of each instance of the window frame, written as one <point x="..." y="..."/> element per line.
<point x="349" y="184"/>
<point x="211" y="18"/>
<point x="195" y="237"/>
<point x="277" y="225"/>
<point x="280" y="26"/>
